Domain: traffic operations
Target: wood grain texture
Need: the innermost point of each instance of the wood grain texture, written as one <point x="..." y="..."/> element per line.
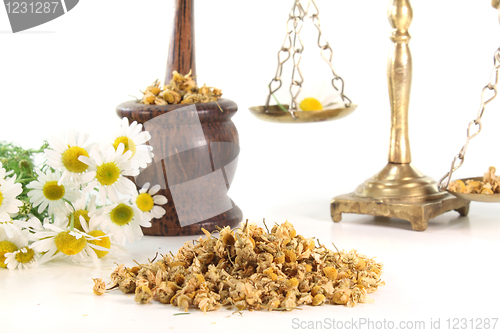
<point x="181" y="54"/>
<point x="217" y="128"/>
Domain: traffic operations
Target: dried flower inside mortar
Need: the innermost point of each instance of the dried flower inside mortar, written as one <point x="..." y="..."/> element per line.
<point x="489" y="185"/>
<point x="182" y="89"/>
<point x="249" y="268"/>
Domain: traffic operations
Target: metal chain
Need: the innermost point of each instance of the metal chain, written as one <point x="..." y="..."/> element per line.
<point x="283" y="55"/>
<point x="475" y="126"/>
<point x="298" y="48"/>
<point x="324" y="48"/>
<point x="292" y="48"/>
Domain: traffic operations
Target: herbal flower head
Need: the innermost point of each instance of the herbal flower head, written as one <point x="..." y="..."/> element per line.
<point x="101" y="244"/>
<point x="56" y="240"/>
<point x="134" y="140"/>
<point x="122" y="219"/>
<point x="147" y="201"/>
<point x="107" y="171"/>
<point x="64" y="153"/>
<point x="23" y="258"/>
<point x="80" y="209"/>
<point x="318" y="96"/>
<point x="11" y="242"/>
<point x="48" y="192"/>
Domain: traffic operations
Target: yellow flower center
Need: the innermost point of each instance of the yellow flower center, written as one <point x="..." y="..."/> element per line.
<point x="6" y="247"/>
<point x="102" y="242"/>
<point x="70" y="159"/>
<point x="121" y="214"/>
<point x="52" y="191"/>
<point x="107" y="173"/>
<point x="129" y="144"/>
<point x="77" y="214"/>
<point x="145" y="202"/>
<point x="1" y="198"/>
<point x="310" y="104"/>
<point x="69" y="244"/>
<point x="25" y="255"/>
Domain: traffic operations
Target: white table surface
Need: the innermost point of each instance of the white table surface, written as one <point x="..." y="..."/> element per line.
<point x="449" y="271"/>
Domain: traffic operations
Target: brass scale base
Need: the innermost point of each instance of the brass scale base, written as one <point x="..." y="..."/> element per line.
<point x="384" y="195"/>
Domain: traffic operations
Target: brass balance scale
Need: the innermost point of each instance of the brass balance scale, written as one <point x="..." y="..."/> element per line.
<point x="399" y="190"/>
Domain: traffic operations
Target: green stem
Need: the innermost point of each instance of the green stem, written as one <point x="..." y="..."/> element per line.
<point x="72" y="223"/>
<point x="279" y="104"/>
<point x="21" y="180"/>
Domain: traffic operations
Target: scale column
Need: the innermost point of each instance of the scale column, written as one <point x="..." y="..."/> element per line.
<point x="399" y="180"/>
<point x="399" y="76"/>
<point x="399" y="190"/>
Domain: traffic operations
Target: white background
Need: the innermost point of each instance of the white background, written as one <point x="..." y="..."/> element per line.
<point x="74" y="71"/>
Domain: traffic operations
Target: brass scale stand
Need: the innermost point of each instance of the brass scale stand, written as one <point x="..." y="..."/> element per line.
<point x="399" y="189"/>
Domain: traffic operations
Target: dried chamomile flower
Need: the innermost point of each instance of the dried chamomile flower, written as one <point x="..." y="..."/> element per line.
<point x="143" y="294"/>
<point x="153" y="89"/>
<point x="249" y="268"/>
<point x="182" y="89"/>
<point x="99" y="286"/>
<point x="489" y="185"/>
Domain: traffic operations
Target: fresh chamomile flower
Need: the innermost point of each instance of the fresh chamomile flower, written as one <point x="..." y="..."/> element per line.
<point x="134" y="139"/>
<point x="107" y="171"/>
<point x="23" y="258"/>
<point x="148" y="202"/>
<point x="64" y="154"/>
<point x="122" y="219"/>
<point x="47" y="192"/>
<point x="11" y="244"/>
<point x="100" y="245"/>
<point x="6" y="246"/>
<point x="56" y="240"/>
<point x="317" y="97"/>
<point x="80" y="208"/>
<point x="9" y="190"/>
<point x="102" y="239"/>
<point x="97" y="246"/>
<point x="81" y="220"/>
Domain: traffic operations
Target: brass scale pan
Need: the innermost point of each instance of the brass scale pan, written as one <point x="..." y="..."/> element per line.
<point x="276" y="114"/>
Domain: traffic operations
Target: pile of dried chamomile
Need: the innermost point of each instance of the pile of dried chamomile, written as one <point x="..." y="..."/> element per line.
<point x="248" y="268"/>
<point x="182" y="89"/>
<point x="489" y="185"/>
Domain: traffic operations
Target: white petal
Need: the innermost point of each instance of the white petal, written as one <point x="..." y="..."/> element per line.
<point x="145" y="187"/>
<point x="84" y="224"/>
<point x="130" y="185"/>
<point x="154" y="189"/>
<point x="158" y="212"/>
<point x="88" y="176"/>
<point x="57" y="144"/>
<point x="102" y="194"/>
<point x="112" y="194"/>
<point x="86" y="160"/>
<point x="160" y="199"/>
